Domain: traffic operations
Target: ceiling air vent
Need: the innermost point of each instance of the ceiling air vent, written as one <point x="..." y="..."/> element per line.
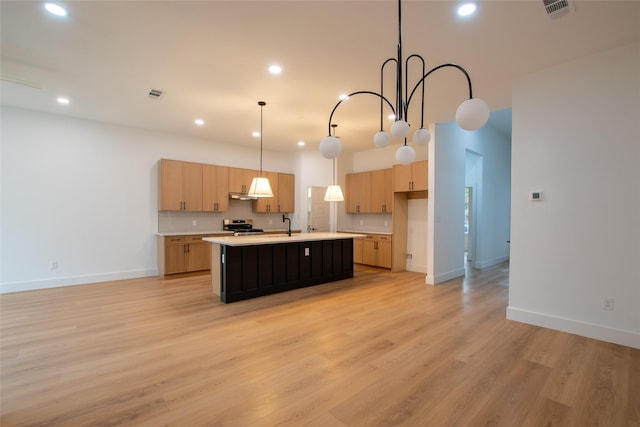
<point x="155" y="94"/>
<point x="558" y="8"/>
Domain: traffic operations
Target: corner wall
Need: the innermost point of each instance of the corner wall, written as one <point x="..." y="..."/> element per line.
<point x="575" y="139"/>
<point x="446" y="193"/>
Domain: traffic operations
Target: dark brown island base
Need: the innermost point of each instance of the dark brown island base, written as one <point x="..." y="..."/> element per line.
<point x="244" y="267"/>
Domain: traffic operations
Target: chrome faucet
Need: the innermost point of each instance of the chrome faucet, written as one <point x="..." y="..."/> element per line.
<point x="288" y="219"/>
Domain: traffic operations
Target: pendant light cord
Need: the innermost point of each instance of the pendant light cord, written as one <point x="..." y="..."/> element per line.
<point x="261" y="104"/>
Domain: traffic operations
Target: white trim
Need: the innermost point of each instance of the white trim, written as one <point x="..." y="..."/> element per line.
<point x="491" y="263"/>
<point x="589" y="330"/>
<point x="440" y="278"/>
<point x="75" y="280"/>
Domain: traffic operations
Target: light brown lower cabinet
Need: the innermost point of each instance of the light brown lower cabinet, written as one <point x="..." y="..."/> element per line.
<point x="183" y="254"/>
<point x="374" y="249"/>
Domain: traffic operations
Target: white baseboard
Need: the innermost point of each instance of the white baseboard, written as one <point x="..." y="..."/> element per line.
<point x="598" y="332"/>
<point x="491" y="263"/>
<point x="417" y="268"/>
<point x="75" y="280"/>
<point x="444" y="277"/>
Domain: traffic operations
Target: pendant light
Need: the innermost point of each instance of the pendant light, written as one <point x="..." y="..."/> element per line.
<point x="334" y="192"/>
<point x="260" y="186"/>
<point x="472" y="114"/>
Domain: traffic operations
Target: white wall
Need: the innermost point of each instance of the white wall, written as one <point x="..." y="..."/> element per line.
<point x="446" y="193"/>
<point x="576" y="132"/>
<point x="84" y="194"/>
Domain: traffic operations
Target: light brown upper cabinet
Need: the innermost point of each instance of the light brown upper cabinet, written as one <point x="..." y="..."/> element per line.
<point x="268" y="204"/>
<point x="381" y="190"/>
<point x="240" y="179"/>
<point x="180" y="186"/>
<point x="286" y="192"/>
<point x="283" y="200"/>
<point x="215" y="188"/>
<point x="369" y="192"/>
<point x="358" y="197"/>
<point x="411" y="177"/>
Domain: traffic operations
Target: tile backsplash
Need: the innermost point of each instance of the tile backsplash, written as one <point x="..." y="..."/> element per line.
<point x="181" y="222"/>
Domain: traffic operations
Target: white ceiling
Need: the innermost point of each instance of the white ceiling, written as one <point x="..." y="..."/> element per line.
<point x="211" y="58"/>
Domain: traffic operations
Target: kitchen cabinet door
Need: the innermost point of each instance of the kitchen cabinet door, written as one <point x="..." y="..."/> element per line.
<point x="283" y="200"/>
<point x="183" y="254"/>
<point x="376" y="250"/>
<point x="411" y="177"/>
<point x="240" y="179"/>
<point x="381" y="191"/>
<point x="286" y="192"/>
<point x="198" y="256"/>
<point x="215" y="188"/>
<point x="174" y="255"/>
<point x="180" y="186"/>
<point x="358" y="192"/>
<point x="357" y="250"/>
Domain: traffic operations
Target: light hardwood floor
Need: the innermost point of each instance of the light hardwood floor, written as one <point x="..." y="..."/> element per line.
<point x="379" y="349"/>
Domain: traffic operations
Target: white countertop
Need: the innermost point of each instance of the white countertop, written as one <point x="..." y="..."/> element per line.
<point x="384" y="233"/>
<point x="220" y="232"/>
<point x="266" y="239"/>
<point x="193" y="233"/>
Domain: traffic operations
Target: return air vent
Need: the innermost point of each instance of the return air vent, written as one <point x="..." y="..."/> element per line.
<point x="558" y="8"/>
<point x="155" y="94"/>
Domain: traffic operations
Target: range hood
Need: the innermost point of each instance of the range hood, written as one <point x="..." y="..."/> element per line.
<point x="241" y="196"/>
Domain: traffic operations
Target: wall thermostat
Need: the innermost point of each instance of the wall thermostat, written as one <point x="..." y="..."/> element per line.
<point x="536" y="195"/>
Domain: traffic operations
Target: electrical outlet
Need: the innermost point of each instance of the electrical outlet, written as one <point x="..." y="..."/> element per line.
<point x="194" y="222"/>
<point x="270" y="222"/>
<point x="607" y="304"/>
<point x="361" y="222"/>
<point x="54" y="265"/>
<point x="386" y="223"/>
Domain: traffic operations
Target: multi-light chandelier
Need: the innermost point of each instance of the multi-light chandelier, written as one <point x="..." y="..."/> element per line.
<point x="472" y="114"/>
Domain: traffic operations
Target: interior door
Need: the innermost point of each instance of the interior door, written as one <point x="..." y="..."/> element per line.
<point x="318" y="209"/>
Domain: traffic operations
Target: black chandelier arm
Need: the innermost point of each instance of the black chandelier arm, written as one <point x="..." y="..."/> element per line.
<point x="435" y="69"/>
<point x="358" y="93"/>
<point x="382" y="88"/>
<point x="406" y="89"/>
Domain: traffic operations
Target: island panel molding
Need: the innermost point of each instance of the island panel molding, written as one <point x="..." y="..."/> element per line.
<point x="254" y="266"/>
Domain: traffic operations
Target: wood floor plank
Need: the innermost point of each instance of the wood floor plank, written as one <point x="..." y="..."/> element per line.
<point x="379" y="349"/>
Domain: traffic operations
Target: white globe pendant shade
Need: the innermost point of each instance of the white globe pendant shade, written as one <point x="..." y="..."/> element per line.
<point x="381" y="139"/>
<point x="405" y="155"/>
<point x="400" y="129"/>
<point x="421" y="136"/>
<point x="330" y="147"/>
<point x="472" y="114"/>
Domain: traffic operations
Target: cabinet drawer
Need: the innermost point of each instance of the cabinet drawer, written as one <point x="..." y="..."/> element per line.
<point x="174" y="240"/>
<point x="193" y="239"/>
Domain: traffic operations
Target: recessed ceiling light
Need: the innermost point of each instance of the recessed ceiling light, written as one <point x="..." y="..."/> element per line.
<point x="256" y="134"/>
<point x="62" y="100"/>
<point x="55" y="9"/>
<point x="275" y="69"/>
<point x="466" y="9"/>
<point x="300" y="143"/>
<point x="199" y="122"/>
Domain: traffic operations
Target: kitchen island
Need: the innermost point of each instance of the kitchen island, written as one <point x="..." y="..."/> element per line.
<point x="244" y="267"/>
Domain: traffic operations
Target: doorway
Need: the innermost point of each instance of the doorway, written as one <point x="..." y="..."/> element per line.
<point x="472" y="207"/>
<point x="318" y="215"/>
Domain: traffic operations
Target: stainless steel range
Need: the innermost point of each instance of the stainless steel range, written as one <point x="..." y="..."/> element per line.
<point x="240" y="227"/>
